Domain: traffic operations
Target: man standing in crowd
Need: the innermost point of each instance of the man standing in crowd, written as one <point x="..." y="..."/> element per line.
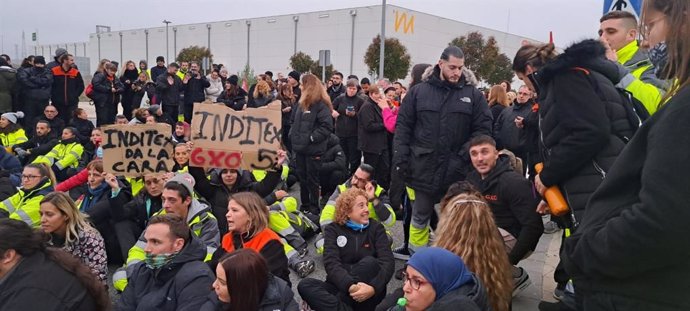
<point x="169" y="86"/>
<point x="435" y="123"/>
<point x="619" y="32"/>
<point x="184" y="68"/>
<point x="67" y="87"/>
<point x="512" y="203"/>
<point x="293" y="81"/>
<point x="159" y="69"/>
<point x="174" y="275"/>
<point x="345" y="109"/>
<point x="194" y="85"/>
<point x="56" y="60"/>
<point x="337" y="88"/>
<point x="507" y="134"/>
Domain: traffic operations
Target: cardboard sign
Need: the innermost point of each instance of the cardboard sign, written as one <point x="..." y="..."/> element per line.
<point x="225" y="138"/>
<point x="136" y="150"/>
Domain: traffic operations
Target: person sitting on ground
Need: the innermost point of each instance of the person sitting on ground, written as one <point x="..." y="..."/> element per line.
<point x="121" y="119"/>
<point x="262" y="95"/>
<point x="178" y="200"/>
<point x="512" y="203"/>
<point x="40" y="144"/>
<point x="139" y="116"/>
<point x="37" y="181"/>
<point x="11" y="133"/>
<point x="11" y="165"/>
<point x="64" y="157"/>
<point x="357" y="257"/>
<point x="243" y="282"/>
<point x="247" y="220"/>
<point x="436" y="279"/>
<point x="83" y="176"/>
<point x="333" y="169"/>
<point x="378" y="202"/>
<point x="36" y="277"/>
<point x="50" y="114"/>
<point x="70" y="231"/>
<point x="80" y="121"/>
<point x="173" y="276"/>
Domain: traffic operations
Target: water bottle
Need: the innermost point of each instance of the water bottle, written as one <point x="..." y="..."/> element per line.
<point x="554" y="197"/>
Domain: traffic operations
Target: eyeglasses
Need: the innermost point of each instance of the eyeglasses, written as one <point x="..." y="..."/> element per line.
<point x="415" y="283"/>
<point x="646" y="28"/>
<point x="29" y="177"/>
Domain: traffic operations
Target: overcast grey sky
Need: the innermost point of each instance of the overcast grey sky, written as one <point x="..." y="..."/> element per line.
<point x="73" y="20"/>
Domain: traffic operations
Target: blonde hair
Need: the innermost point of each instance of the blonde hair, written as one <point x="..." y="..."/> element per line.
<point x="345" y="203"/>
<point x="313" y="92"/>
<point x="262" y="89"/>
<point x="76" y="221"/>
<point x="497" y="95"/>
<point x="467" y="228"/>
<point x="256" y="211"/>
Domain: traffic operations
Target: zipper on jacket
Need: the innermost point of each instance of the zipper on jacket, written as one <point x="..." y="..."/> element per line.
<point x="599" y="169"/>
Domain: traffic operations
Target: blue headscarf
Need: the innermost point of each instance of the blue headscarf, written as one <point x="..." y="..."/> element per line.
<point x="443" y="269"/>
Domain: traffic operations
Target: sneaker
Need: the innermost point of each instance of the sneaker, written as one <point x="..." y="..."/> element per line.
<point x="401" y="253"/>
<point x="551" y="227"/>
<point x="304" y="268"/>
<point x="399" y="273"/>
<point x="303" y="252"/>
<point x="521" y="282"/>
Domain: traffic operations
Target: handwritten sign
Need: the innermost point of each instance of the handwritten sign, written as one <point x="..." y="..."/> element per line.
<point x="225" y="138"/>
<point x="135" y="150"/>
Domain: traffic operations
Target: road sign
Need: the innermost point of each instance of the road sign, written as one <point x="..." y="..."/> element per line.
<point x="632" y="6"/>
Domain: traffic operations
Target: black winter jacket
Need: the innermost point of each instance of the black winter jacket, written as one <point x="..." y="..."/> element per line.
<point x="346" y="126"/>
<point x="513" y="204"/>
<point x="39" y="145"/>
<point x="278" y="297"/>
<point x="38" y="283"/>
<point x="496" y="110"/>
<point x="344" y="247"/>
<point x="215" y="191"/>
<point x="633" y="241"/>
<point x="168" y="95"/>
<point x="435" y="123"/>
<point x="67" y="87"/>
<point x="181" y="285"/>
<point x="56" y="125"/>
<point x="194" y="90"/>
<point x="334" y="158"/>
<point x="335" y="91"/>
<point x="157" y="71"/>
<point x="84" y="129"/>
<point x="372" y="134"/>
<point x="310" y="129"/>
<point x="142" y="89"/>
<point x="507" y="135"/>
<point x="102" y="89"/>
<point x="236" y="102"/>
<point x="138" y="210"/>
<point x="36" y="84"/>
<point x="580" y="133"/>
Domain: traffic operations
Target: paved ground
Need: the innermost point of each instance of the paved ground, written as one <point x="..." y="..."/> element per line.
<point x="540" y="265"/>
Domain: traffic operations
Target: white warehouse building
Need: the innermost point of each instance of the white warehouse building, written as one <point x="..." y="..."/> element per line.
<point x="266" y="43"/>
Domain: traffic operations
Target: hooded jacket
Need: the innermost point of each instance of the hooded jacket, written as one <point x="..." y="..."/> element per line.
<point x="67" y="87"/>
<point x="38" y="283"/>
<point x="36" y="84"/>
<point x="632" y="242"/>
<point x="372" y="134"/>
<point x="346" y="126"/>
<point x="181" y="285"/>
<point x="581" y="134"/>
<point x="215" y="191"/>
<point x="513" y="204"/>
<point x="278" y="297"/>
<point x="435" y="123"/>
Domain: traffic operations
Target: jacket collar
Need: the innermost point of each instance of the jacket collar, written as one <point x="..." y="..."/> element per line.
<point x="589" y="54"/>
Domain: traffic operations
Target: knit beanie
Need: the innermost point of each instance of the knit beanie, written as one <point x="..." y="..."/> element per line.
<point x="13" y="116"/>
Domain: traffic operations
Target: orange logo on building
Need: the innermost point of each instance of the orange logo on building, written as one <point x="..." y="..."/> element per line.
<point x="402" y="20"/>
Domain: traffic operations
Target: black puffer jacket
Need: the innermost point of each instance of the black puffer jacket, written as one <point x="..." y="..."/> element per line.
<point x="346" y="126"/>
<point x="513" y="205"/>
<point x="334" y="158"/>
<point x="169" y="95"/>
<point x="580" y="132"/>
<point x="102" y="89"/>
<point x="373" y="137"/>
<point x="507" y="135"/>
<point x="435" y="123"/>
<point x="310" y="129"/>
<point x="36" y="83"/>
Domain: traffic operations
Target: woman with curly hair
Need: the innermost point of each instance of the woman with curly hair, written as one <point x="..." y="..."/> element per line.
<point x="357" y="257"/>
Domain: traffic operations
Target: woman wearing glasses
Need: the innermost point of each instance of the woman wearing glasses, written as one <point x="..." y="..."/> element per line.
<point x="37" y="181"/>
<point x="357" y="257"/>
<point x="69" y="230"/>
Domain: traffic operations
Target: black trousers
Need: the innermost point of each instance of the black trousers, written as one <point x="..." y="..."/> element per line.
<point x="128" y="104"/>
<point x="352" y="153"/>
<point x="105" y="113"/>
<point x="188" y="109"/>
<point x="32" y="109"/>
<point x="127" y="233"/>
<point x="172" y="111"/>
<point x="324" y="296"/>
<point x="308" y="173"/>
<point x="382" y="167"/>
<point x="65" y="111"/>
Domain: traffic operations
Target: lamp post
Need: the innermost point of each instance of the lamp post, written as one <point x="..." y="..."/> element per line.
<point x="167" y="48"/>
<point x="383" y="39"/>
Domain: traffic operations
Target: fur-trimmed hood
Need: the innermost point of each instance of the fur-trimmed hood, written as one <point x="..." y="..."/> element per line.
<point x="467" y="75"/>
<point x="590" y="54"/>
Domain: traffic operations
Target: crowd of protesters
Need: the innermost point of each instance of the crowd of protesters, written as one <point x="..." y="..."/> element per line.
<point x="605" y="121"/>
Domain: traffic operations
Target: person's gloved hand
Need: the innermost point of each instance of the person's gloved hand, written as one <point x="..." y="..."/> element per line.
<point x="20" y="152"/>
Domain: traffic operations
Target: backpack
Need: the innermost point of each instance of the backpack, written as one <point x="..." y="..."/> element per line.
<point x="89" y="91"/>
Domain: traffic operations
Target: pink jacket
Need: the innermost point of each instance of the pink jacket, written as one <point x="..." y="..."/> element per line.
<point x="390" y="116"/>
